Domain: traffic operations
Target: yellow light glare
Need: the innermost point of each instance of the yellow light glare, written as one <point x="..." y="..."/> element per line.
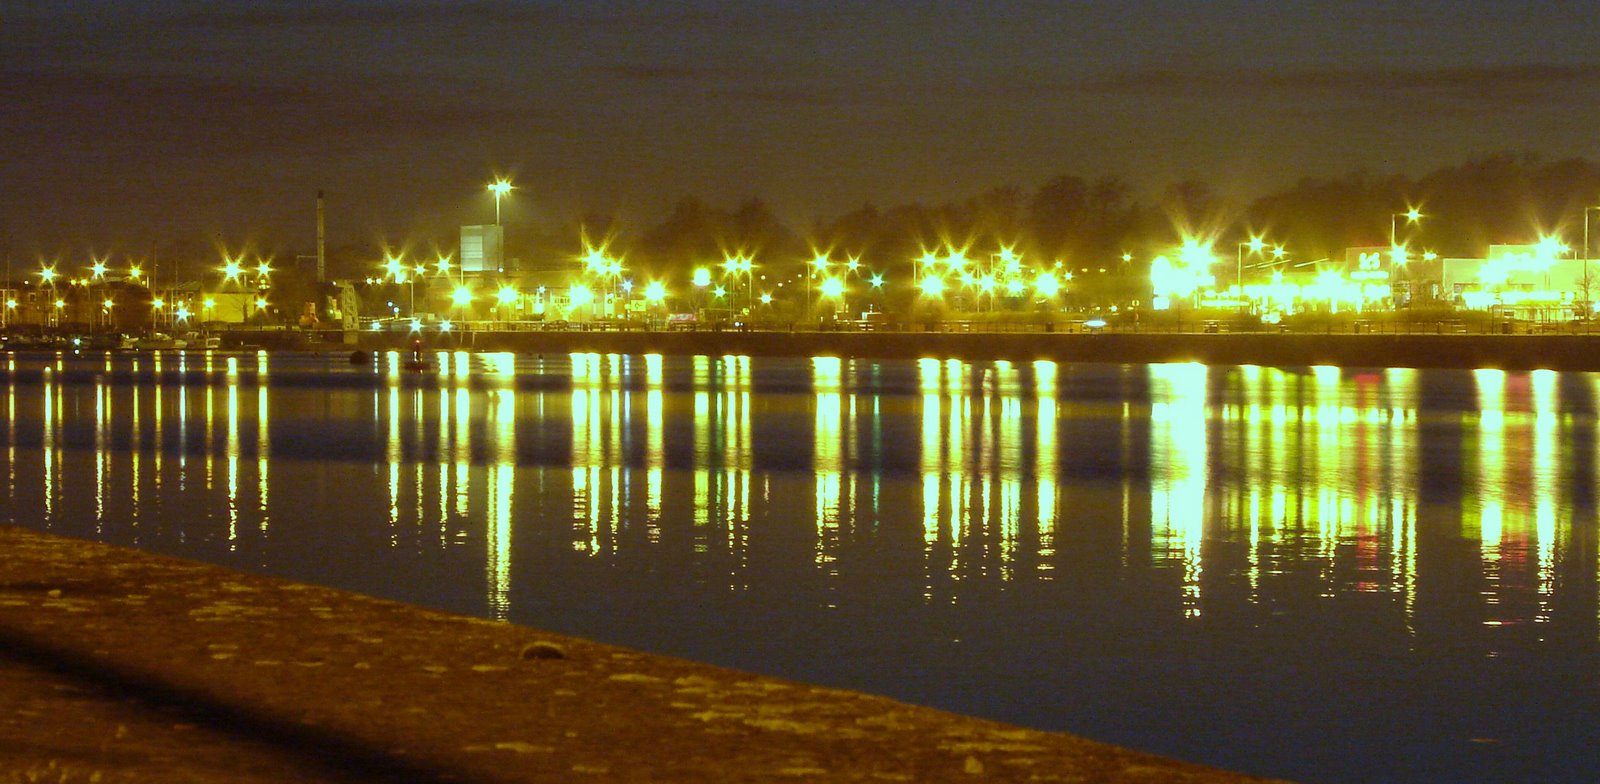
<point x="1047" y="284"/>
<point x="832" y="287"/>
<point x="1256" y="244"/>
<point x="99" y="269"/>
<point x="1413" y="215"/>
<point x="932" y="286"/>
<point x="107" y="304"/>
<point x="231" y="269"/>
<point x="500" y="187"/>
<point x="820" y="262"/>
<point x="1195" y="253"/>
<point x="506" y="295"/>
<point x="48" y="273"/>
<point x="210" y="303"/>
<point x="158" y="303"/>
<point x="1550" y="247"/>
<point x="461" y="295"/>
<point x="580" y="295"/>
<point x="702" y="276"/>
<point x="135" y="273"/>
<point x="655" y="292"/>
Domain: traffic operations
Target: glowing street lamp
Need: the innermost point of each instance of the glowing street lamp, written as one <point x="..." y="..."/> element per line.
<point x="1047" y="285"/>
<point x="1412" y="215"/>
<point x="499" y="188"/>
<point x="832" y="288"/>
<point x="1255" y="244"/>
<point x="1586" y="256"/>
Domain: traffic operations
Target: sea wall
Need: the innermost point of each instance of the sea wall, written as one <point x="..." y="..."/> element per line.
<point x="1509" y="352"/>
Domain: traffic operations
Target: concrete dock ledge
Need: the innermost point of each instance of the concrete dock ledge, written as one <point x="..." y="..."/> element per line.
<point x="265" y="679"/>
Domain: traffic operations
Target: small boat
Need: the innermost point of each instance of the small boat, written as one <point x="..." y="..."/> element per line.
<point x="158" y="341"/>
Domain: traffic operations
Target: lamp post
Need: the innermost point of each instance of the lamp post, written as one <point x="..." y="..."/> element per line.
<point x="818" y="266"/>
<point x="1412" y="215"/>
<point x="47" y="275"/>
<point x="499" y="188"/>
<point x="232" y="271"/>
<point x="1255" y="244"/>
<point x="1586" y="283"/>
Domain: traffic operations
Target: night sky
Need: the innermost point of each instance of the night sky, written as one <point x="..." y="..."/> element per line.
<point x="127" y="122"/>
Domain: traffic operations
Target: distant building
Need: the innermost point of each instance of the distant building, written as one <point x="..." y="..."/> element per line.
<point x="483" y="249"/>
<point x="1528" y="281"/>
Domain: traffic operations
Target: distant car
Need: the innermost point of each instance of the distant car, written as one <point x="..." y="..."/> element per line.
<point x="1094" y="325"/>
<point x="1213" y="327"/>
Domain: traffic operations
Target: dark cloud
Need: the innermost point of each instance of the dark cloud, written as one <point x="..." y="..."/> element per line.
<point x="1504" y="87"/>
<point x="363" y="15"/>
<point x="654" y="73"/>
<point x="788" y="96"/>
<point x="174" y="116"/>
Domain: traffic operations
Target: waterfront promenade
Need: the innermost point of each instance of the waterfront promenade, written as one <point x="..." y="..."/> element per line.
<point x="121" y="666"/>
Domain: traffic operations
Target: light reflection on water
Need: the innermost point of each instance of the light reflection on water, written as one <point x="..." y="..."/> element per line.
<point x="1200" y="561"/>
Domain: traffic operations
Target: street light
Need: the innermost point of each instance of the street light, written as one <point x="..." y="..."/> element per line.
<point x="499" y="188"/>
<point x="1586" y="257"/>
<point x="821" y="267"/>
<point x="1255" y="244"/>
<point x="1412" y="215"/>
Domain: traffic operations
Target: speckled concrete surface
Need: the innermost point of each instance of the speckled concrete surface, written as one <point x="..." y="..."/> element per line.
<point x="125" y="666"/>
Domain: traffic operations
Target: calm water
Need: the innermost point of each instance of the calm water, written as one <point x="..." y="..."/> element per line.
<point x="1324" y="575"/>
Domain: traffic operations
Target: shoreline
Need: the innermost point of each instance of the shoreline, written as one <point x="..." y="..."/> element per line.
<point x="1506" y="352"/>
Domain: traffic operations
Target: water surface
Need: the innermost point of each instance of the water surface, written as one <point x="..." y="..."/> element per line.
<point x="1325" y="575"/>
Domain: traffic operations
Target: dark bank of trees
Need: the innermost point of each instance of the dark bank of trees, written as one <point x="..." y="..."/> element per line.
<point x="1089" y="224"/>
